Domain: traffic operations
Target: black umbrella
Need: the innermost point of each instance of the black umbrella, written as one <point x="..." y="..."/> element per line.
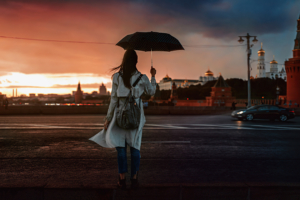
<point x="150" y="41"/>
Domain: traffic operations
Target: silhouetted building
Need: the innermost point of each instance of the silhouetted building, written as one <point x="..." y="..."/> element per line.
<point x="32" y="95"/>
<point x="78" y="94"/>
<point x="2" y="97"/>
<point x="292" y="68"/>
<point x="102" y="90"/>
<point x="220" y="94"/>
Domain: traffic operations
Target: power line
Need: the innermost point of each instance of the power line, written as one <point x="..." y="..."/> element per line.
<point x="107" y="43"/>
<point x="64" y="41"/>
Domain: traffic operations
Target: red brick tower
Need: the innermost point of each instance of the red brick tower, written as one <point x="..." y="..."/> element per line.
<point x="78" y="94"/>
<point x="220" y="94"/>
<point x="174" y="92"/>
<point x="292" y="68"/>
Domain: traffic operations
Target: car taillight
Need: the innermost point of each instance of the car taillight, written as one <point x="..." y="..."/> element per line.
<point x="291" y="111"/>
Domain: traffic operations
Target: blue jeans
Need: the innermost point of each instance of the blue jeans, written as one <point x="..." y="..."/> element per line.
<point x="122" y="159"/>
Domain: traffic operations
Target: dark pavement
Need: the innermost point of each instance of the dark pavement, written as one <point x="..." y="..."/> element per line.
<point x="180" y="156"/>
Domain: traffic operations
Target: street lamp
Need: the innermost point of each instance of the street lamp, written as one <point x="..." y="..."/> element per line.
<point x="241" y="40"/>
<point x="248" y="61"/>
<point x="277" y="93"/>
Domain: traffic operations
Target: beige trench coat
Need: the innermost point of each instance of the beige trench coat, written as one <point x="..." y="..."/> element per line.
<point x="115" y="136"/>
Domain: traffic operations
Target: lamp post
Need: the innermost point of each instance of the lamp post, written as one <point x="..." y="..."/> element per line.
<point x="277" y="93"/>
<point x="248" y="61"/>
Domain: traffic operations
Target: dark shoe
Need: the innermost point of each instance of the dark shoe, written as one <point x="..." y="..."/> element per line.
<point x="134" y="182"/>
<point x="122" y="183"/>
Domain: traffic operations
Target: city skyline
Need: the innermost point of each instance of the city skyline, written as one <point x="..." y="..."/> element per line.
<point x="55" y="67"/>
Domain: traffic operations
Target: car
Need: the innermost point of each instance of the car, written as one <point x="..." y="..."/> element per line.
<point x="270" y="112"/>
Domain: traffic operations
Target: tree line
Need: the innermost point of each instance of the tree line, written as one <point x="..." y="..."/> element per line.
<point x="261" y="87"/>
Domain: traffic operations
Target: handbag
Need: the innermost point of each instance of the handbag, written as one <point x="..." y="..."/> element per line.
<point x="128" y="116"/>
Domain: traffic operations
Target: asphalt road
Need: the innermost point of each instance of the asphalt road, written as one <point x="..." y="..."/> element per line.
<point x="54" y="152"/>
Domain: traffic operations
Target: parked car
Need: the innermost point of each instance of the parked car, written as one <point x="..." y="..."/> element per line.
<point x="264" y="112"/>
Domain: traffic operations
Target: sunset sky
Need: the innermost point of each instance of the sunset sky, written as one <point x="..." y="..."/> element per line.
<point x="57" y="67"/>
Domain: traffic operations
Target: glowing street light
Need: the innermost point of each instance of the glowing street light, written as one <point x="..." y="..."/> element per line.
<point x="277" y="94"/>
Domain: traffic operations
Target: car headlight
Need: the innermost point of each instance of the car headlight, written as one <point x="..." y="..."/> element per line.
<point x="241" y="112"/>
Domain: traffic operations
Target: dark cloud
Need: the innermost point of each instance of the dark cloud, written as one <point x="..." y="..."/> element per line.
<point x="219" y="19"/>
<point x="214" y="18"/>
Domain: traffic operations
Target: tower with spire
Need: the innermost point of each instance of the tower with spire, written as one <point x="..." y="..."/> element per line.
<point x="261" y="68"/>
<point x="78" y="94"/>
<point x="273" y="66"/>
<point x="292" y="68"/>
<point x="220" y="94"/>
<point x="102" y="90"/>
<point x="274" y="73"/>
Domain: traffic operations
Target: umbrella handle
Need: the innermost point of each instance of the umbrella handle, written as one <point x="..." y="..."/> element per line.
<point x="151" y="59"/>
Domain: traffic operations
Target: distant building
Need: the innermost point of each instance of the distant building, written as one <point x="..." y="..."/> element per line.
<point x="261" y="68"/>
<point x="209" y="76"/>
<point x="274" y="73"/>
<point x="78" y="94"/>
<point x="52" y="95"/>
<point x="40" y="95"/>
<point x="32" y="95"/>
<point x="102" y="90"/>
<point x="220" y="94"/>
<point x="166" y="83"/>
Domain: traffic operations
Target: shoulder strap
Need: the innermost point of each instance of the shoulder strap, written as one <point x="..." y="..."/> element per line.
<point x="137" y="80"/>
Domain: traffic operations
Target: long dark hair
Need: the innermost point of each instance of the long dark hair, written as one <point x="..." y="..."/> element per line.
<point x="128" y="66"/>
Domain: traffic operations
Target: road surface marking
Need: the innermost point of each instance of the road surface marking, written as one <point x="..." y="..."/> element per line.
<point x="98" y="126"/>
<point x="284" y="128"/>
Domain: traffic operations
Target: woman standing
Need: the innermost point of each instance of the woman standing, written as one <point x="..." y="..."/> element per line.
<point x="114" y="136"/>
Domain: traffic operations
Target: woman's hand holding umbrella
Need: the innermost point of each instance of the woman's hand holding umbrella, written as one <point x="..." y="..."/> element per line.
<point x="153" y="71"/>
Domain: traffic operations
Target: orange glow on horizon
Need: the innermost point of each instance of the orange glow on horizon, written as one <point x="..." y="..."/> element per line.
<point x="51" y="83"/>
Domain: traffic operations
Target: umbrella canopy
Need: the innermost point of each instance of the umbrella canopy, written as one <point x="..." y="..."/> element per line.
<point x="150" y="41"/>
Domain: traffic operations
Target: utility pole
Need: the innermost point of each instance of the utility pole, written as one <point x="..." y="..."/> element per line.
<point x="248" y="61"/>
